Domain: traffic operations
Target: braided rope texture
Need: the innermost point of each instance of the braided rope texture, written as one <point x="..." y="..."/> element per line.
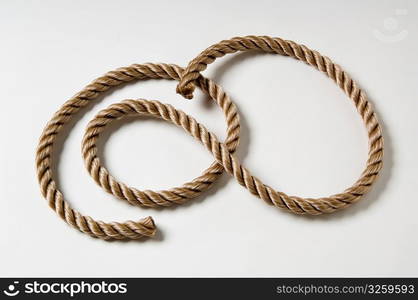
<point x="130" y="229"/>
<point x="177" y="195"/>
<point x="219" y="150"/>
<point x="276" y="45"/>
<point x="223" y="152"/>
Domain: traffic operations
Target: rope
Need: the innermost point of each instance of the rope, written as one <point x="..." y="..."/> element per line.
<point x="188" y="79"/>
<point x="219" y="150"/>
<point x="176" y="195"/>
<point x="128" y="229"/>
<point x="289" y="48"/>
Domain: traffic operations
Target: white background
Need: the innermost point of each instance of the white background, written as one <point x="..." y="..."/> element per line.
<point x="300" y="135"/>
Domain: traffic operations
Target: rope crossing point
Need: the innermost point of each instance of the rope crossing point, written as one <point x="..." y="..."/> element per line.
<point x="223" y="152"/>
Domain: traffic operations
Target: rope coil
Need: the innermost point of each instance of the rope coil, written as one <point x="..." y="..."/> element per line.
<point x="276" y="45"/>
<point x="129" y="229"/>
<point x="188" y="79"/>
<point x="178" y="195"/>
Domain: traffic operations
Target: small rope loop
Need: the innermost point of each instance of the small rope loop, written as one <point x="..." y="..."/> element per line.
<point x="130" y="229"/>
<point x="178" y="195"/>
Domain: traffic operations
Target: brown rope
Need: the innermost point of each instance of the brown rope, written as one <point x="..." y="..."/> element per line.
<point x="289" y="48"/>
<point x="219" y="150"/>
<point x="176" y="195"/>
<point x="129" y="229"/>
<point x="223" y="153"/>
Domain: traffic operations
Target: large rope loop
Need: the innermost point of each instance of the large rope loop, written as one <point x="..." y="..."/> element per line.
<point x="276" y="45"/>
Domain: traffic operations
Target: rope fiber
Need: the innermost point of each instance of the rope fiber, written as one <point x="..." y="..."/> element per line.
<point x="223" y="153"/>
<point x="178" y="195"/>
<point x="276" y="45"/>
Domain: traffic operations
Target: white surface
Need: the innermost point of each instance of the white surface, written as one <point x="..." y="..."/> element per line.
<point x="299" y="134"/>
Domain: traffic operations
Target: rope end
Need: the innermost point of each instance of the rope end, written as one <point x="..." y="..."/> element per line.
<point x="186" y="91"/>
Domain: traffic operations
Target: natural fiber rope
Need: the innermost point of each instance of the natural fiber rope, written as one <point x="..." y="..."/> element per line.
<point x="177" y="195"/>
<point x="222" y="152"/>
<point x="289" y="48"/>
<point x="129" y="229"/>
<point x="209" y="140"/>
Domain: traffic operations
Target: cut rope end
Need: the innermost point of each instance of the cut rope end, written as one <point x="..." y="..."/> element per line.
<point x="186" y="90"/>
<point x="149" y="224"/>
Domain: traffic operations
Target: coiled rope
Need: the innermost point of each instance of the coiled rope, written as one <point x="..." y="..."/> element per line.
<point x="296" y="204"/>
<point x="223" y="152"/>
<point x="178" y="195"/>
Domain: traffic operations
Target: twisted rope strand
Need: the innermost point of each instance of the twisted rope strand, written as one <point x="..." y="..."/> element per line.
<point x="146" y="226"/>
<point x="295" y="204"/>
<point x="223" y="152"/>
<point x="228" y="160"/>
<point x="177" y="195"/>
